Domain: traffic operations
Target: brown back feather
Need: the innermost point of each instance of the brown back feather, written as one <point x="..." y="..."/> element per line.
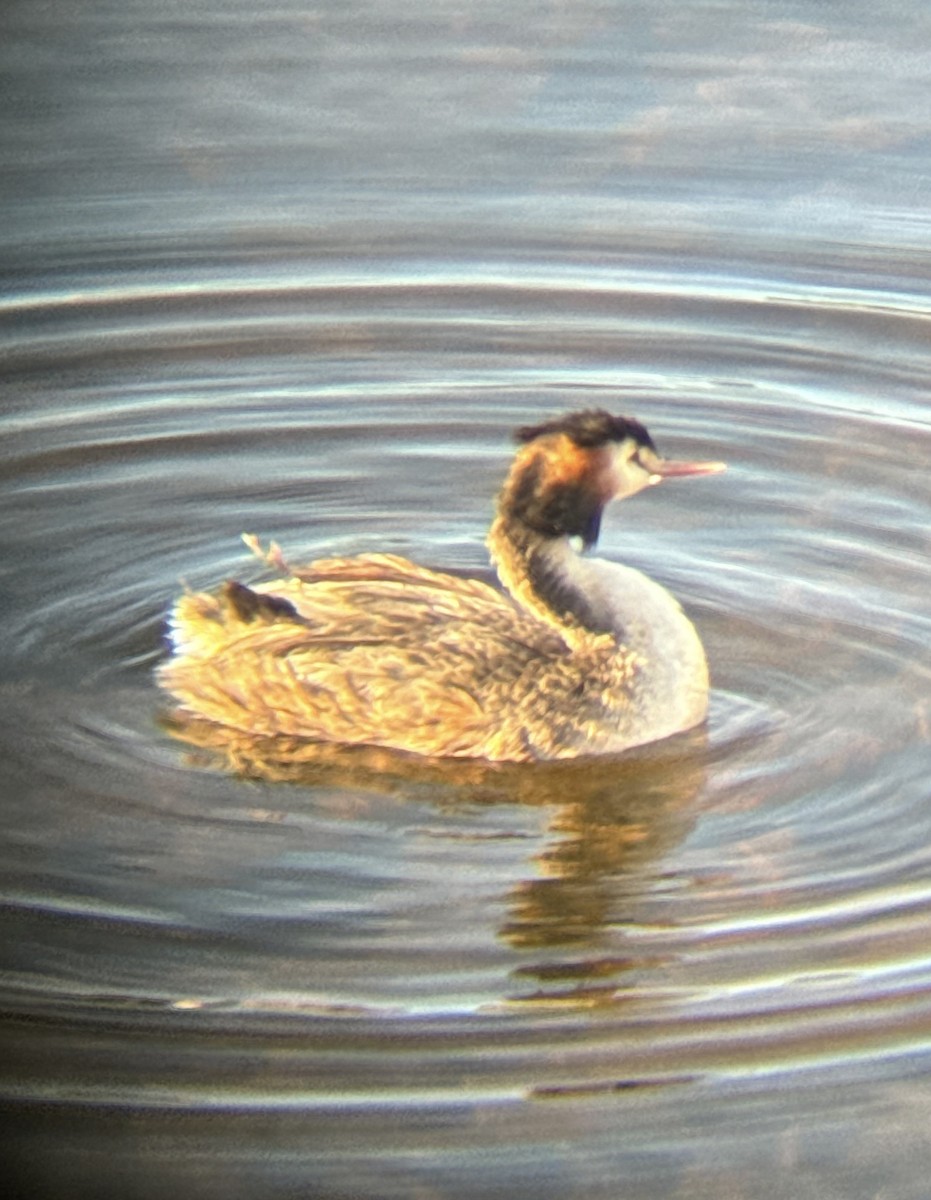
<point x="377" y="650"/>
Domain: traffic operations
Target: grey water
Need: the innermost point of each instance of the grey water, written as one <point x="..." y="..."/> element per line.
<point x="299" y="272"/>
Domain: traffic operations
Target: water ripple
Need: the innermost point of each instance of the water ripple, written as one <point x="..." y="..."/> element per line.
<point x="385" y="938"/>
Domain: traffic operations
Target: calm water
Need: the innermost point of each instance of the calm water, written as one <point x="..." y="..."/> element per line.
<point x="300" y="273"/>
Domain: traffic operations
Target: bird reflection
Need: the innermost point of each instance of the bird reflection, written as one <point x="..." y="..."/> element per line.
<point x="609" y="826"/>
<point x="611" y="820"/>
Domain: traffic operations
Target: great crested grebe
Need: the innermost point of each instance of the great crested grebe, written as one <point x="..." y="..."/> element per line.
<point x="582" y="656"/>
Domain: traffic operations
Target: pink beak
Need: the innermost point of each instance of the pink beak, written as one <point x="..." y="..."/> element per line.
<point x="670" y="468"/>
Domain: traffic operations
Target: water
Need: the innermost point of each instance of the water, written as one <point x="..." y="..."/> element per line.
<point x="300" y="273"/>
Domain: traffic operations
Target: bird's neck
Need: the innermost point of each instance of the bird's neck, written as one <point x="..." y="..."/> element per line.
<point x="531" y="545"/>
<point x="585" y="597"/>
<point x="553" y="495"/>
<point x="547" y="578"/>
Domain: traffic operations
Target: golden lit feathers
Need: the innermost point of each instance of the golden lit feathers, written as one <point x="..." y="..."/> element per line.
<point x="356" y="661"/>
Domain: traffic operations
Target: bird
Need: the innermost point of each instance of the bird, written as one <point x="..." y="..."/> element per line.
<point x="571" y="656"/>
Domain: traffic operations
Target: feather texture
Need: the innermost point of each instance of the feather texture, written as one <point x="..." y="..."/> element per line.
<point x="355" y="661"/>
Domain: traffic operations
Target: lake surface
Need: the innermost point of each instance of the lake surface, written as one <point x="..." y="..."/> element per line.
<point x="300" y="273"/>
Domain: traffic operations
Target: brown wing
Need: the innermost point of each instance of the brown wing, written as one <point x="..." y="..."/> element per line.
<point x="373" y="649"/>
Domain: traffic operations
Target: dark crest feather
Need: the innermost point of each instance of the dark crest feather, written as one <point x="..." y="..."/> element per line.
<point x="589" y="429"/>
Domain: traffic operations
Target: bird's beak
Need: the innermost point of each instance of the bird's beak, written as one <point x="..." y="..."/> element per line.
<point x="671" y="468"/>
